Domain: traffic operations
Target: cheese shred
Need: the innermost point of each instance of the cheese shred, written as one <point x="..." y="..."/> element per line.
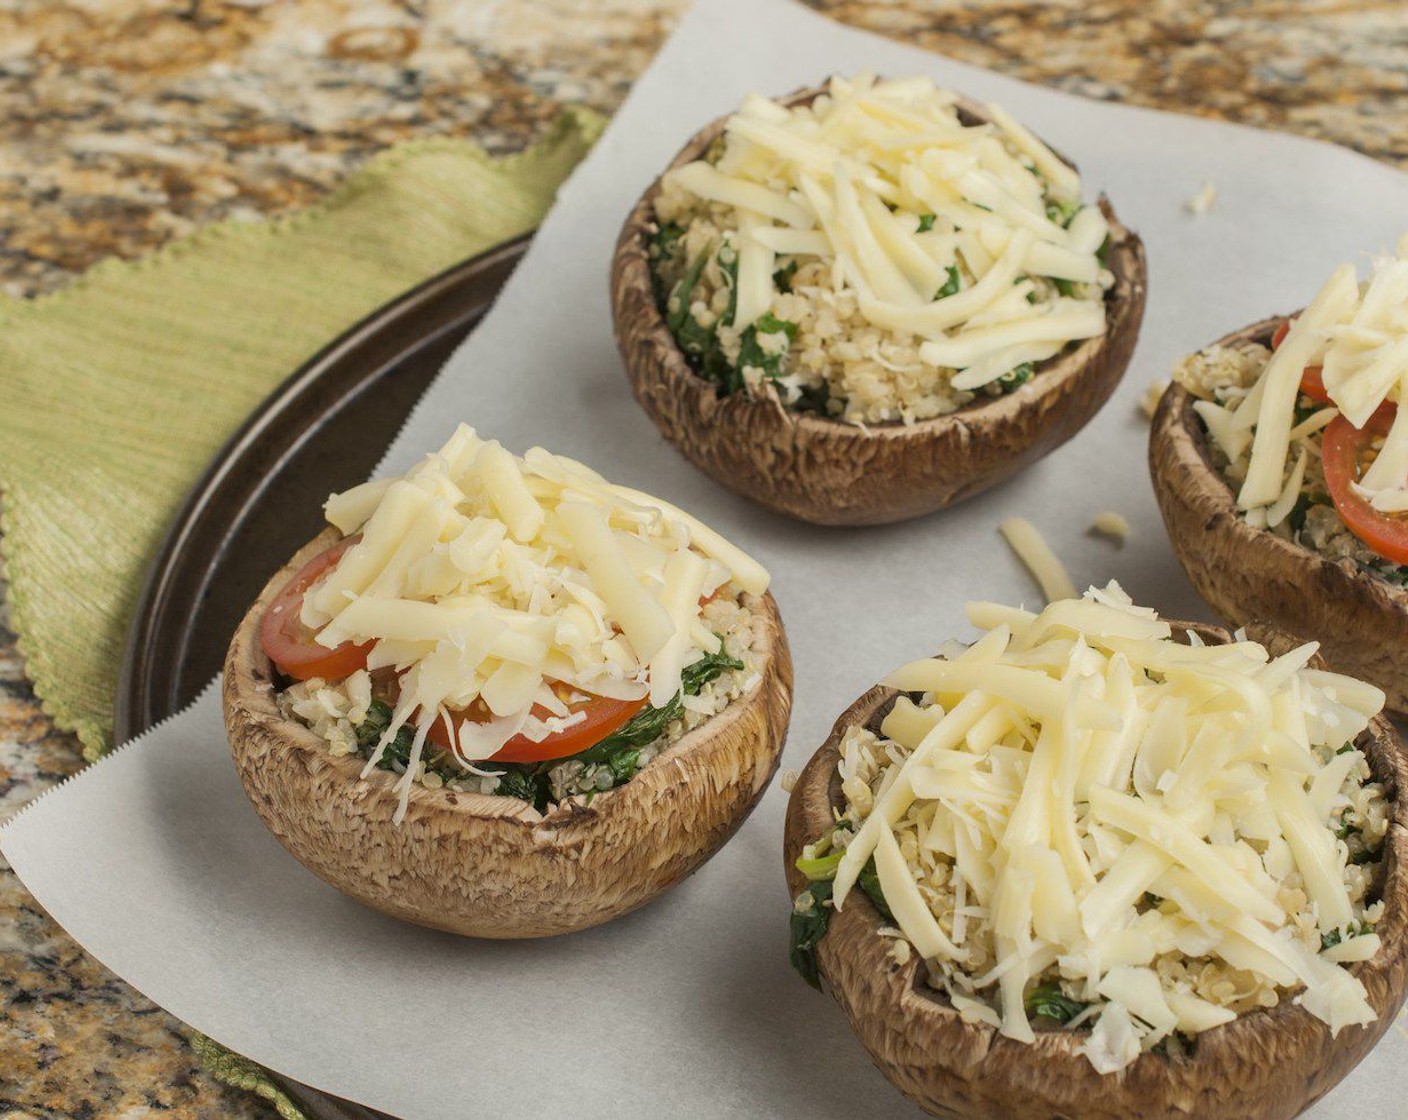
<point x="1032" y="550"/>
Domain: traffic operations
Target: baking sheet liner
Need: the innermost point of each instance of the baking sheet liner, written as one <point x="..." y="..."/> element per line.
<point x="154" y="861"/>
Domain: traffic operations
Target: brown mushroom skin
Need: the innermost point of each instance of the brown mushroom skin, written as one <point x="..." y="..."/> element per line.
<point x="1243" y="572"/>
<point x="489" y="866"/>
<point x="831" y="473"/>
<point x="1264" y="1065"/>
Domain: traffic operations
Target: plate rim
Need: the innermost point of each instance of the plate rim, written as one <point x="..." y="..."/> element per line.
<point x="135" y="704"/>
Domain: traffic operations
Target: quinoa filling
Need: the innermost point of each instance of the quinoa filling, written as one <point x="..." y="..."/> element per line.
<point x="1083" y="821"/>
<point x="1360" y="820"/>
<point x="350" y="716"/>
<point x="812" y="348"/>
<point x="875" y="255"/>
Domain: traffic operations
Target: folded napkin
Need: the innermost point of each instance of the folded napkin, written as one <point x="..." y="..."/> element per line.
<point x="118" y="390"/>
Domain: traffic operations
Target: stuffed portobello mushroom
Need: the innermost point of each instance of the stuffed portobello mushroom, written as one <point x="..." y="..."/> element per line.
<point x="1099" y="864"/>
<point x="867" y="301"/>
<point x="1280" y="460"/>
<point x="504" y="697"/>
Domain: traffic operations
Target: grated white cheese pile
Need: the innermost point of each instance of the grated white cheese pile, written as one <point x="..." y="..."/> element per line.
<point x="1358" y="333"/>
<point x="484" y="577"/>
<point x="939" y="228"/>
<point x="1073" y="760"/>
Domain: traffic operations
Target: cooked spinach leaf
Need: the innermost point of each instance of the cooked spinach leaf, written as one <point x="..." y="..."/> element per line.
<point x="751" y="351"/>
<point x="700" y="344"/>
<point x="1048" y="1001"/>
<point x="1017" y="375"/>
<point x="809" y="922"/>
<point x="810" y="916"/>
<point x="926" y="223"/>
<point x="1334" y="937"/>
<point x="664" y="241"/>
<point x="782" y="278"/>
<point x="620" y="751"/>
<point x="1396" y="574"/>
<point x="951" y="285"/>
<point x="370" y="731"/>
<point x="377" y="721"/>
<point x="728" y="265"/>
<point x="707" y="669"/>
<point x="1062" y="212"/>
<point x="869" y="881"/>
<point x="522" y="782"/>
<point x="1296" y="518"/>
<point x="677" y="315"/>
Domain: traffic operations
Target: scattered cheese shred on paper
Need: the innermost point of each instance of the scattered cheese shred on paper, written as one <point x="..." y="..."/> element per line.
<point x="1111" y="524"/>
<point x="1203" y="201"/>
<point x="1149" y="399"/>
<point x="1043" y="563"/>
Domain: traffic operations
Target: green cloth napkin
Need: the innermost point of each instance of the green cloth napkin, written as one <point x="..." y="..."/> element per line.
<point x="118" y="390"/>
<point x="240" y="1073"/>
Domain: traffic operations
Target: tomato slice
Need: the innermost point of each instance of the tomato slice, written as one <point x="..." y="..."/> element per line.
<point x="290" y="645"/>
<point x="1344" y="449"/>
<point x="603" y="717"/>
<point x="293" y="648"/>
<point x="1312" y="379"/>
<point x="1312" y="384"/>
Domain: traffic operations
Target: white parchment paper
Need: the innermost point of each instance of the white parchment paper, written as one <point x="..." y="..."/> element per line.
<point x="154" y="861"/>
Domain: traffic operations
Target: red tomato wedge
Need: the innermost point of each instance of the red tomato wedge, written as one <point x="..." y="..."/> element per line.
<point x="1312" y="380"/>
<point x="603" y="717"/>
<point x="1345" y="450"/>
<point x="1312" y="384"/>
<point x="292" y="646"/>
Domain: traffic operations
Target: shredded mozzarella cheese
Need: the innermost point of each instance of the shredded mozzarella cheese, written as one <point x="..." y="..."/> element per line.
<point x="1118" y="806"/>
<point x="489" y="579"/>
<point x="1358" y="334"/>
<point x="884" y="179"/>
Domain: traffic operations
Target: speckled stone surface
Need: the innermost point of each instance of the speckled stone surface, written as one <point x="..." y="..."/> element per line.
<point x="124" y="123"/>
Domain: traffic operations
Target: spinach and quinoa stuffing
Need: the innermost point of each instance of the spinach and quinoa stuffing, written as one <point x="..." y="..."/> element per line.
<point x="855" y="248"/>
<point x="614" y="760"/>
<point x="762" y="349"/>
<point x="1045" y="999"/>
<point x="811" y="909"/>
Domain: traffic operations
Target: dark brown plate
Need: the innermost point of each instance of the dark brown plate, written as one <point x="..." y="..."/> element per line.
<point x="323" y="429"/>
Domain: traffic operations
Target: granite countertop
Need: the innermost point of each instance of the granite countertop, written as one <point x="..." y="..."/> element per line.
<point x="126" y="124"/>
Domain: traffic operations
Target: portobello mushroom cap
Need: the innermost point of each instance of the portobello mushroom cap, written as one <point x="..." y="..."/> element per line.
<point x="490" y="866"/>
<point x="828" y="472"/>
<point x="1264" y="1065"/>
<point x="1360" y="620"/>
